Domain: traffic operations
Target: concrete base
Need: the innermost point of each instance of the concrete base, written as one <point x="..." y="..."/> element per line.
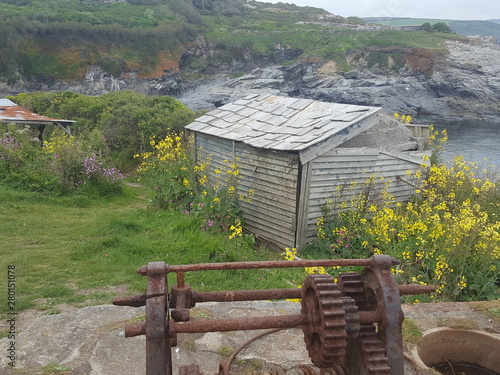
<point x="91" y="340"/>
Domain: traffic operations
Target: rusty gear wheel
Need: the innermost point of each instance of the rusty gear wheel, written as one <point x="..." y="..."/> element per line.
<point x="374" y="360"/>
<point x="382" y="295"/>
<point x="351" y="317"/>
<point x="325" y="333"/>
<point x="351" y="285"/>
<point x="367" y="354"/>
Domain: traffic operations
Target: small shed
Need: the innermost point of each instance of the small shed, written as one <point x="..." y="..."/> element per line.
<point x="293" y="153"/>
<point x="11" y="113"/>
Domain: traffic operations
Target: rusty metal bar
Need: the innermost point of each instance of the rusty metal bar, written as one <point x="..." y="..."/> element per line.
<point x="133" y="301"/>
<point x="267" y="264"/>
<point x="247" y="295"/>
<point x="135" y="329"/>
<point x="259" y="294"/>
<point x="180" y="279"/>
<point x="367" y="317"/>
<point x="411" y="289"/>
<point x="225" y="325"/>
<point x="290" y="293"/>
<point x="243" y="324"/>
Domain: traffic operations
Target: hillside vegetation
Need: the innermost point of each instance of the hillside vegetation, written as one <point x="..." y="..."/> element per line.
<point x="55" y="39"/>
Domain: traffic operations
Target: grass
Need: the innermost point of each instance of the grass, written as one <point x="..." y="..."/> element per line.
<point x="56" y="369"/>
<point x="81" y="252"/>
<point x="489" y="308"/>
<point x="225" y="351"/>
<point x="411" y="332"/>
<point x="322" y="43"/>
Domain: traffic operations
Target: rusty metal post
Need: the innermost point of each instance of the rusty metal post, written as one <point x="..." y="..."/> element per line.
<point x="158" y="353"/>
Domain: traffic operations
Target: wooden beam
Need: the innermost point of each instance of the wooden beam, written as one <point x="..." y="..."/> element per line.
<point x="303" y="207"/>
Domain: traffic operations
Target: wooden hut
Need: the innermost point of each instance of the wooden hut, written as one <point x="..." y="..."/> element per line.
<point x="294" y="153"/>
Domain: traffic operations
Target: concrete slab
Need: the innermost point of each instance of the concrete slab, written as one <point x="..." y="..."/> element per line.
<point x="91" y="340"/>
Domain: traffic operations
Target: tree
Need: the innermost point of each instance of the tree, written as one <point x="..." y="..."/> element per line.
<point x="427" y="27"/>
<point x="441" y="27"/>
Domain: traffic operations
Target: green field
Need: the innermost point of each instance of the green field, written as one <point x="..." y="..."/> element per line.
<point x="79" y="251"/>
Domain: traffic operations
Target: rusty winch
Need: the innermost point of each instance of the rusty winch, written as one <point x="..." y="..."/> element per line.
<point x="353" y="326"/>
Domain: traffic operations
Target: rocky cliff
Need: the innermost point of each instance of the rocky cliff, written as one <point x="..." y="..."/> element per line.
<point x="463" y="83"/>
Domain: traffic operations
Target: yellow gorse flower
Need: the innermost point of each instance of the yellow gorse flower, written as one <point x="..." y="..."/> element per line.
<point x="236" y="229"/>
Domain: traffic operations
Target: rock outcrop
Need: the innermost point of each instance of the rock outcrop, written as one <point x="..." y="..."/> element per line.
<point x="463" y="83"/>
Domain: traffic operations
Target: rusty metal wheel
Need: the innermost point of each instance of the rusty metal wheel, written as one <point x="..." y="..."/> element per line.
<point x="325" y="333"/>
<point x="351" y="285"/>
<point x="367" y="354"/>
<point x="351" y="317"/>
<point x="373" y="357"/>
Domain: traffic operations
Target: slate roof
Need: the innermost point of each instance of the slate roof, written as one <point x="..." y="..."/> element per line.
<point x="280" y="123"/>
<point x="11" y="112"/>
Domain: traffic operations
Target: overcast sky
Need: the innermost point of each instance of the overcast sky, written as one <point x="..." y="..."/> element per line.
<point x="440" y="9"/>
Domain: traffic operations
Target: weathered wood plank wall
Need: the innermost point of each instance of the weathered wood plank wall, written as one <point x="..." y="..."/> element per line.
<point x="267" y="182"/>
<point x="272" y="175"/>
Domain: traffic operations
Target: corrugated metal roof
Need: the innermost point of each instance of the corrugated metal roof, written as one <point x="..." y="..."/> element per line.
<point x="280" y="123"/>
<point x="11" y="112"/>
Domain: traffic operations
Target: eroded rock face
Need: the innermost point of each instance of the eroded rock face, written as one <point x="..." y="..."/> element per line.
<point x="465" y="83"/>
<point x="468" y="81"/>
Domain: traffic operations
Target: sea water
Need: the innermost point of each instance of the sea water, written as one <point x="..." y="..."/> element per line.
<point x="477" y="141"/>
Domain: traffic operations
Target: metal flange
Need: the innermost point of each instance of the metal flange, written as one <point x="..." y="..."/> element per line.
<point x="382" y="295"/>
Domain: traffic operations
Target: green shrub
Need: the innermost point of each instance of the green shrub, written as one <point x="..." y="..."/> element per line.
<point x="127" y="119"/>
<point x="178" y="183"/>
<point x="23" y="164"/>
<point x="82" y="164"/>
<point x="63" y="165"/>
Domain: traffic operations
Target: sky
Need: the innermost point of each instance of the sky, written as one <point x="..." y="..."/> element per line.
<point x="436" y="9"/>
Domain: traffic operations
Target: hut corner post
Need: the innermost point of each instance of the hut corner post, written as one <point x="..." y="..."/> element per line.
<point x="303" y="206"/>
